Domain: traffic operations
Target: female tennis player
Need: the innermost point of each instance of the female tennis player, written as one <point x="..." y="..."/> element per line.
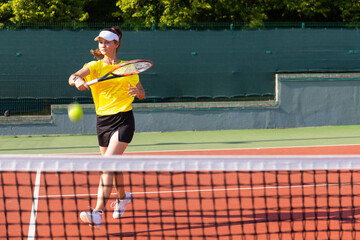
<point x="115" y="120"/>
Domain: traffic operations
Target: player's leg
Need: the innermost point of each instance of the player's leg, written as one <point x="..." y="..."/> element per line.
<point x="94" y="217"/>
<point x="117" y="147"/>
<point x="104" y="189"/>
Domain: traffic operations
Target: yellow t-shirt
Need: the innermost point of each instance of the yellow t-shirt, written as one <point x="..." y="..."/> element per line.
<point x="110" y="96"/>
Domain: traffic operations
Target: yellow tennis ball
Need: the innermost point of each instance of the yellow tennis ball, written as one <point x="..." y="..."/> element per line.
<point x="75" y="112"/>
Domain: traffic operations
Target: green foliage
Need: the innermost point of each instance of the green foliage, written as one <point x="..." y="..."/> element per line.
<point x="6" y="11"/>
<point x="254" y="12"/>
<point x="175" y="12"/>
<point x="350" y="10"/>
<point x="182" y="13"/>
<point x="47" y="11"/>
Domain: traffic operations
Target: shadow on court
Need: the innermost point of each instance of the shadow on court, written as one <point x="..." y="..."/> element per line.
<point x="313" y="219"/>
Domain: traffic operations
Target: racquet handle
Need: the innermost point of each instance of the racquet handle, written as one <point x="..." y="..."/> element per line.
<point x="92" y="82"/>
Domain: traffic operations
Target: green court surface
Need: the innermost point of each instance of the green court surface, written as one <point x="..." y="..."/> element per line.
<point x="225" y="139"/>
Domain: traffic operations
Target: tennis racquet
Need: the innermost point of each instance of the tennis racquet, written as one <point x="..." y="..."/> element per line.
<point x="125" y="69"/>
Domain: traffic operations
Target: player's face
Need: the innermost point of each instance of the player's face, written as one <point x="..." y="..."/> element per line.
<point x="107" y="47"/>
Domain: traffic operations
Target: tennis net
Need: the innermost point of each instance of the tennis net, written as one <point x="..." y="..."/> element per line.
<point x="183" y="197"/>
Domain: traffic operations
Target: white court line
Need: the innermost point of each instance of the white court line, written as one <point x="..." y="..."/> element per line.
<point x="205" y="190"/>
<point x="32" y="224"/>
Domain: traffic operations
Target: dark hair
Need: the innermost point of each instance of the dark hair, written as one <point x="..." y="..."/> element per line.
<point x="97" y="54"/>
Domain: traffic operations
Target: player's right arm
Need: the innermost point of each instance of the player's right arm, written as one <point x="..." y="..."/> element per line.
<point x="76" y="79"/>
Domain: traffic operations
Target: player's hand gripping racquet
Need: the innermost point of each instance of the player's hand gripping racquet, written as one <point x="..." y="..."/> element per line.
<point x="125" y="69"/>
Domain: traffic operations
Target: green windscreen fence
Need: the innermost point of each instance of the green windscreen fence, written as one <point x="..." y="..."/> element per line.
<point x="188" y="65"/>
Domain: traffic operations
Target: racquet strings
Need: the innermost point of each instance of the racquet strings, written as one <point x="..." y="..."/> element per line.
<point x="132" y="68"/>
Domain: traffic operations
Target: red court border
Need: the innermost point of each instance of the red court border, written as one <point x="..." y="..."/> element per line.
<point x="310" y="150"/>
<point x="307" y="150"/>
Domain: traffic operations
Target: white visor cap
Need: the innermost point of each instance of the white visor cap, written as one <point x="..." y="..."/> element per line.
<point x="107" y="35"/>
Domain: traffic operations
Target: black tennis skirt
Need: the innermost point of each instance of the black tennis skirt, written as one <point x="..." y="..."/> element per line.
<point x="106" y="126"/>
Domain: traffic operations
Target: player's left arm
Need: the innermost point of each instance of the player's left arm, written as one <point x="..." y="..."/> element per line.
<point x="137" y="91"/>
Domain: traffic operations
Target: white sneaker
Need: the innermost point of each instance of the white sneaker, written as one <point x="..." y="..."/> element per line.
<point x="120" y="205"/>
<point x="92" y="218"/>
